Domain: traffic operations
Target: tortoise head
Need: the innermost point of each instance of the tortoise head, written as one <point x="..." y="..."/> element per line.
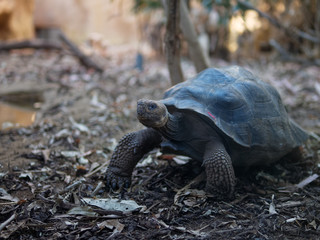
<point x="152" y="113"/>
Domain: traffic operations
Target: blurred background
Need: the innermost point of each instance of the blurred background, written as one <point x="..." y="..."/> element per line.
<point x="78" y="41"/>
<point x="71" y="72"/>
<point x="227" y="29"/>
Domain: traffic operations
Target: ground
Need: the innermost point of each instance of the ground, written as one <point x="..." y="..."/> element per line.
<point x="50" y="169"/>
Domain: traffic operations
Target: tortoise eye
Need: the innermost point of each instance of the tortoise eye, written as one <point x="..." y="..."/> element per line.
<point x="152" y="106"/>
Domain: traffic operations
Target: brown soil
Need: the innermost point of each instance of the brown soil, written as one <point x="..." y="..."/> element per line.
<point x="35" y="166"/>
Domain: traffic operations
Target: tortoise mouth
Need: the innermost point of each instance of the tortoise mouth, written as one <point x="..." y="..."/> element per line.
<point x="152" y="113"/>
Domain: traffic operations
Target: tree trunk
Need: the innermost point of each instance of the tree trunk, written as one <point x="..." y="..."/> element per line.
<point x="172" y="41"/>
<point x="197" y="55"/>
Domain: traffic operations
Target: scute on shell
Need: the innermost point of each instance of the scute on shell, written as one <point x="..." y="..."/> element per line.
<point x="243" y="107"/>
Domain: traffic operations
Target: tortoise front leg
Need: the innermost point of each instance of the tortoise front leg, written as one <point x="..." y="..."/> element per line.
<point x="128" y="152"/>
<point x="219" y="170"/>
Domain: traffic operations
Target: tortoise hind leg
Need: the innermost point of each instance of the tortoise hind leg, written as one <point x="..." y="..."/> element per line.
<point x="219" y="170"/>
<point x="128" y="152"/>
<point x="297" y="154"/>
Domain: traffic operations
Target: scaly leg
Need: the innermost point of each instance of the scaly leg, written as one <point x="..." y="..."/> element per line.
<point x="128" y="152"/>
<point x="219" y="170"/>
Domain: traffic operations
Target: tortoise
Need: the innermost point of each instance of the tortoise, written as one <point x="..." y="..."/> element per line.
<point x="224" y="118"/>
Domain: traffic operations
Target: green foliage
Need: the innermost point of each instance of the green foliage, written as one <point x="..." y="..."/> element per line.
<point x="225" y="3"/>
<point x="146" y="5"/>
<point x="207" y="4"/>
<point x="226" y="9"/>
<point x="229" y="7"/>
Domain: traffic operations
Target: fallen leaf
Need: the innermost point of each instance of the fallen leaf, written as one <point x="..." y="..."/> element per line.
<point x="27" y="175"/>
<point x="317" y="87"/>
<point x="181" y="160"/>
<point x="145" y="162"/>
<point x="46" y="154"/>
<point x="82" y="210"/>
<point x="290" y="220"/>
<point x="272" y="207"/>
<point x="112" y="224"/>
<point x="95" y="102"/>
<point x="125" y="206"/>
<point x="307" y="180"/>
<point x="70" y="154"/>
<point x="6" y="196"/>
<point x="79" y="126"/>
<point x="313" y="224"/>
<point x="62" y="134"/>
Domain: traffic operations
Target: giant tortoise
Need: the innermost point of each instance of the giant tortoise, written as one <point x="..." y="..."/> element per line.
<point x="224" y="118"/>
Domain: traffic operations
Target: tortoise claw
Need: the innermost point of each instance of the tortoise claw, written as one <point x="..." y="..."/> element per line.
<point x="127" y="184"/>
<point x="115" y="181"/>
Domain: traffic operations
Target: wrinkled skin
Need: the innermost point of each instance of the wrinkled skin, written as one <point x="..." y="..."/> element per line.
<point x="129" y="151"/>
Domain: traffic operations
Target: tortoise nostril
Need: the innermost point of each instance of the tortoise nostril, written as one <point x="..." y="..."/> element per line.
<point x="140" y="109"/>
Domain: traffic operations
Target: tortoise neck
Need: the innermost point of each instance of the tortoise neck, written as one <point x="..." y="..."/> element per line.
<point x="172" y="126"/>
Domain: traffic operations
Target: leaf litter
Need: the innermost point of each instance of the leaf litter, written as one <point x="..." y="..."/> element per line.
<point x="52" y="173"/>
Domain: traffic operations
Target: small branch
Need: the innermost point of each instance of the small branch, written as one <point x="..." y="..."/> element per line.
<point x="73" y="185"/>
<point x="307" y="180"/>
<point x="279" y="48"/>
<point x="97" y="189"/>
<point x="49" y="44"/>
<point x="89" y="174"/>
<point x="36" y="44"/>
<point x="305" y="35"/>
<point x="5" y="223"/>
<point x="196" y="233"/>
<point x="261" y="14"/>
<point x="286" y="56"/>
<point x="76" y="51"/>
<point x="292" y="31"/>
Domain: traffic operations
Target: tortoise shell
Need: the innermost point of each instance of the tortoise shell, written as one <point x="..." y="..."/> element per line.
<point x="246" y="110"/>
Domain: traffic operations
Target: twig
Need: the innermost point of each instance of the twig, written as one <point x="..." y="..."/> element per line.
<point x="97" y="169"/>
<point x="290" y="204"/>
<point x="228" y="230"/>
<point x="36" y="44"/>
<point x="307" y="180"/>
<point x="279" y="48"/>
<point x="181" y="229"/>
<point x="49" y="44"/>
<point x="76" y="51"/>
<point x="289" y="31"/>
<point x="310" y="195"/>
<point x="98" y="187"/>
<point x="5" y="223"/>
<point x="152" y="206"/>
<point x="286" y="56"/>
<point x="73" y="185"/>
<point x="199" y="178"/>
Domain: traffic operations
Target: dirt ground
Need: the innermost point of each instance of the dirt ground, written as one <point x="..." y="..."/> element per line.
<point x="51" y="170"/>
